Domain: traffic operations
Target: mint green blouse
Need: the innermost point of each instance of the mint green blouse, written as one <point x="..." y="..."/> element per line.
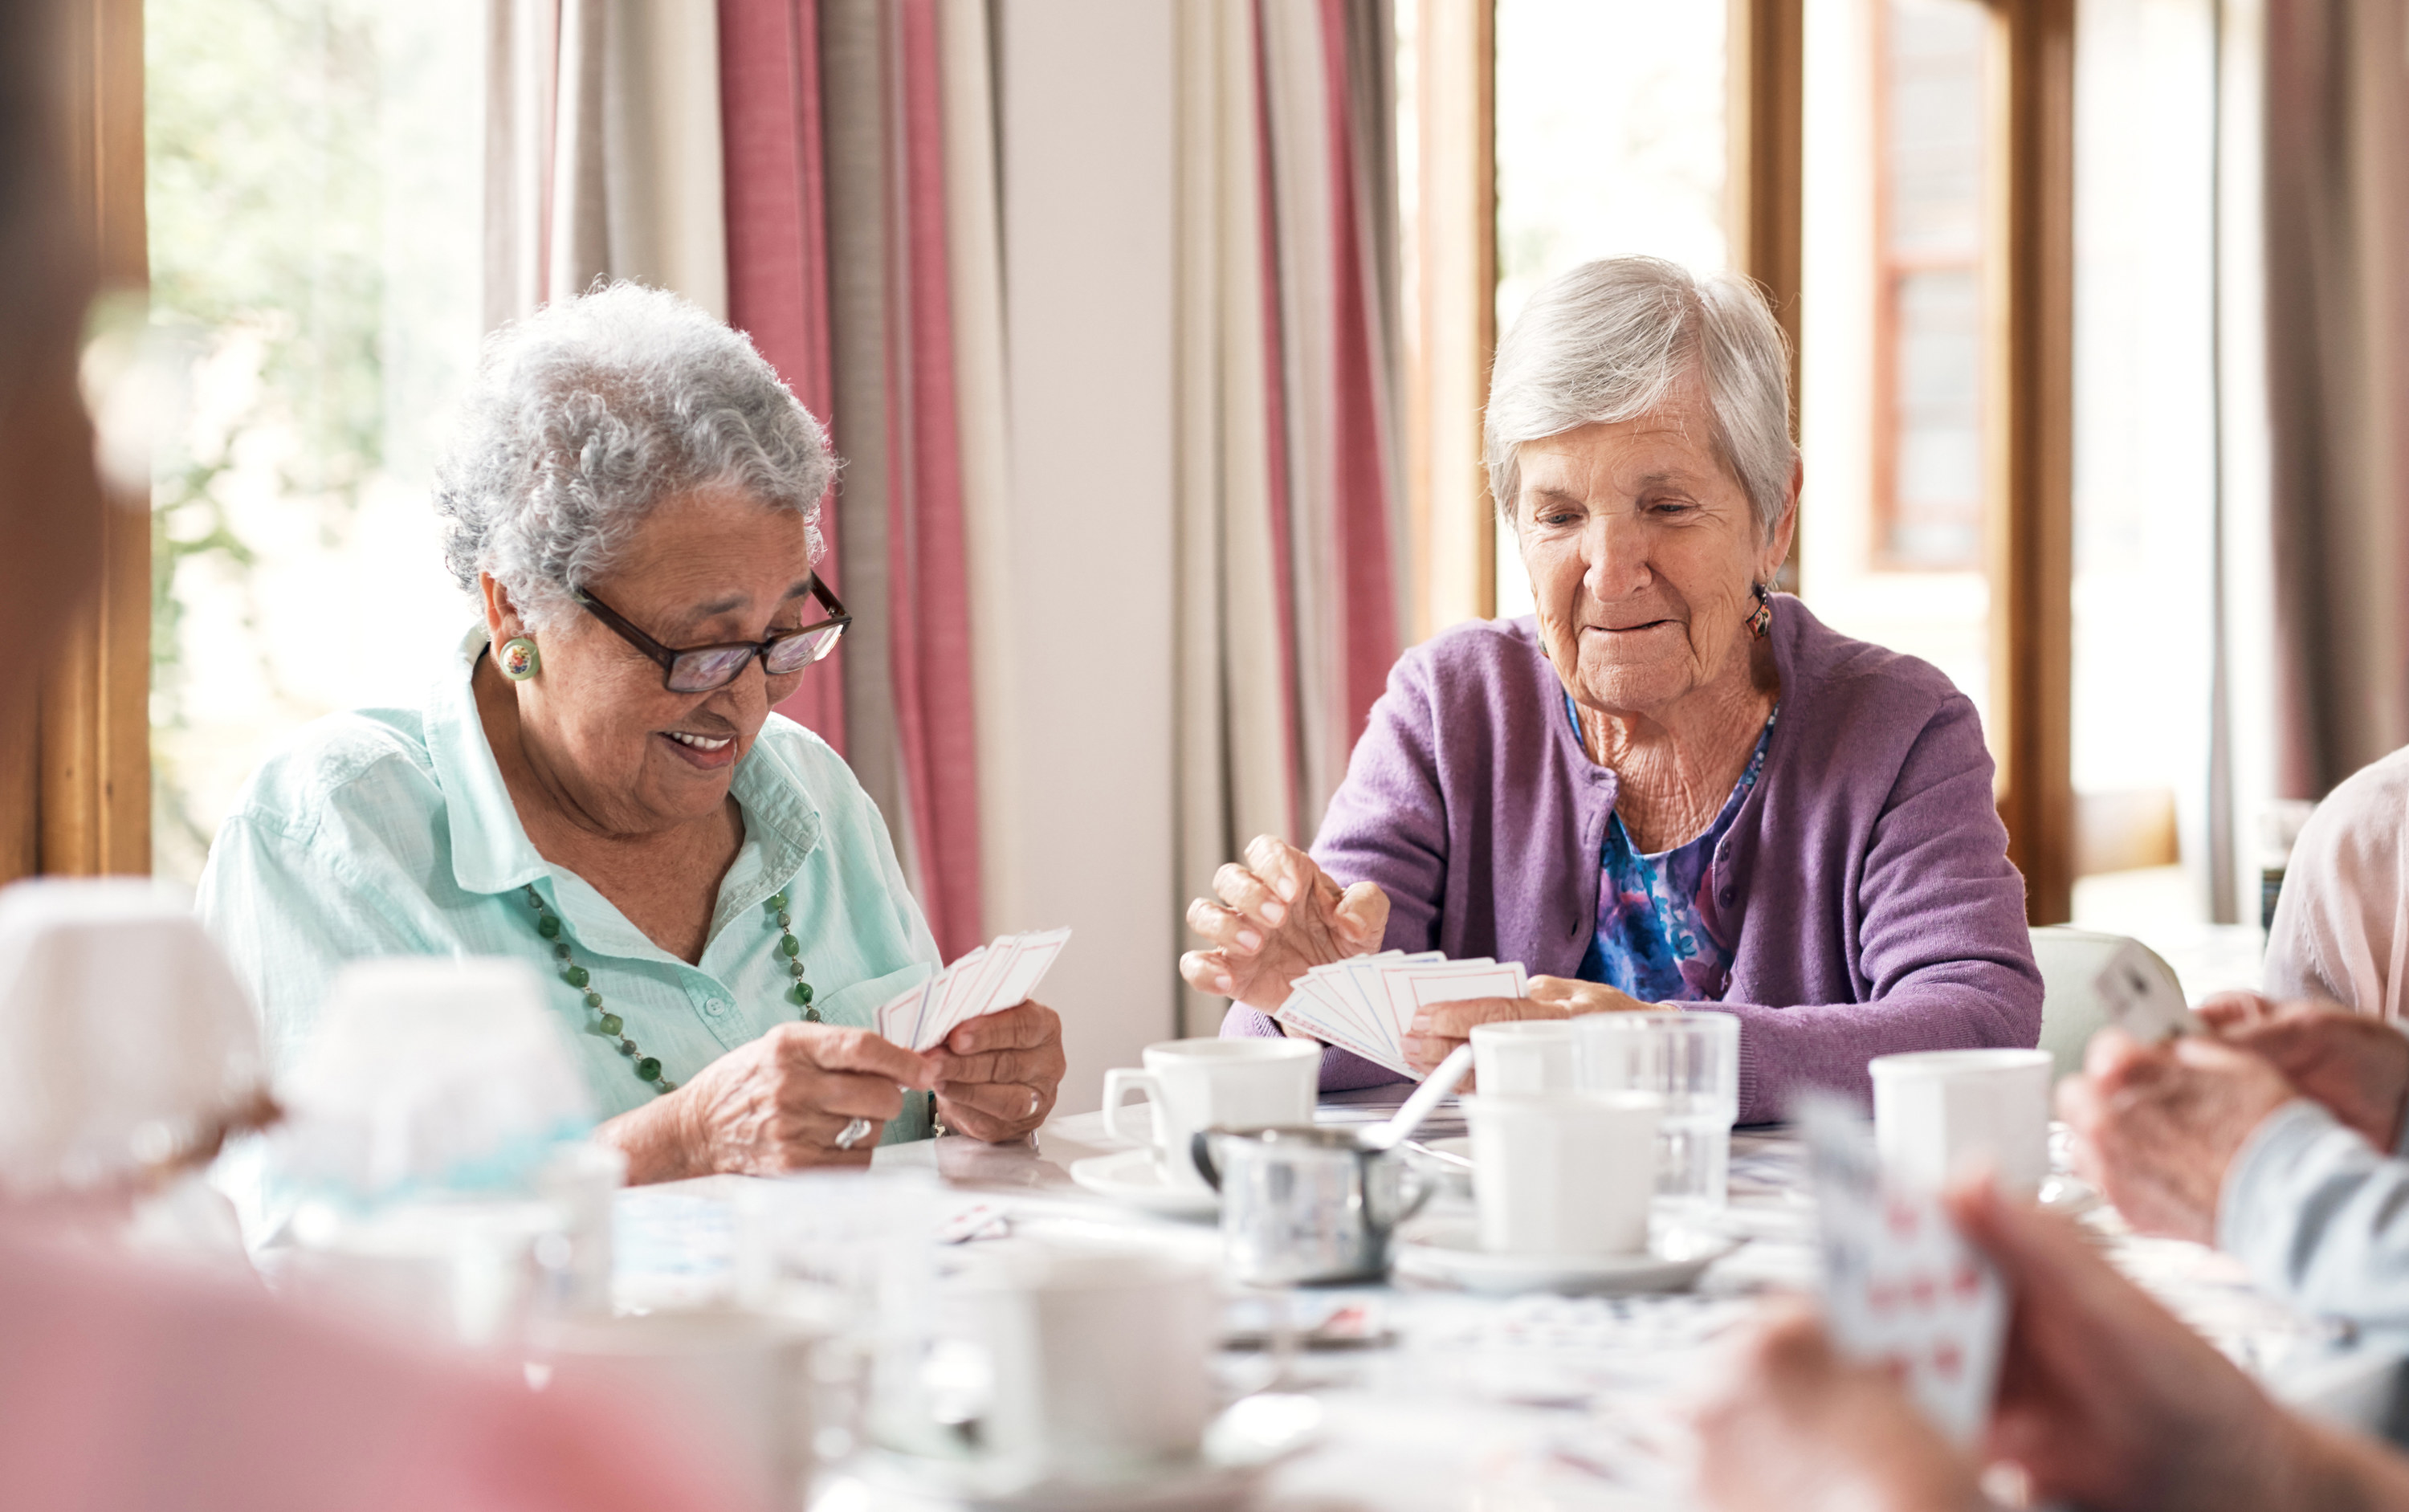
<point x="389" y="832"/>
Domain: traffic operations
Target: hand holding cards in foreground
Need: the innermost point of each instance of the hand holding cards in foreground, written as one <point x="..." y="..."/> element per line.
<point x="1366" y="1004"/>
<point x="1901" y="1287"/>
<point x="990" y="979"/>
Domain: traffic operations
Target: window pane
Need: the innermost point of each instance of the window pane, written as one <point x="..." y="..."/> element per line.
<point x="1611" y="136"/>
<point x="1893" y="327"/>
<point x="2144" y="461"/>
<point x="315" y="171"/>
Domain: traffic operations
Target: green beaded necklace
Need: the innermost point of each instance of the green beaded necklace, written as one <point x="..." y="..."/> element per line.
<point x="608" y="1025"/>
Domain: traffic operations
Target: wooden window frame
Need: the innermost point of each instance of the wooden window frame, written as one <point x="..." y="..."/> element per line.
<point x="1454" y="316"/>
<point x="1890" y="270"/>
<point x="2029" y="443"/>
<point x="75" y="782"/>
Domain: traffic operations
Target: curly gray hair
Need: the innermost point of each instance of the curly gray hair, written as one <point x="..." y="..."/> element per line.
<point x="587" y="413"/>
<point x="1611" y="340"/>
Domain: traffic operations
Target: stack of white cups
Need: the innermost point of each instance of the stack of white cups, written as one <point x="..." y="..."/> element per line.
<point x="1557" y="1171"/>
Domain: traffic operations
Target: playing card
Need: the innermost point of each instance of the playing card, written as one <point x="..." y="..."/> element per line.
<point x="1901" y="1287"/>
<point x="991" y="977"/>
<point x="1028" y="968"/>
<point x="1411" y="988"/>
<point x="2140" y="998"/>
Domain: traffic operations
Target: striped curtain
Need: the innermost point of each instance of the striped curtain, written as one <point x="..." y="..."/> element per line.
<point x="1291" y="507"/>
<point x="602" y="152"/>
<point x="862" y="257"/>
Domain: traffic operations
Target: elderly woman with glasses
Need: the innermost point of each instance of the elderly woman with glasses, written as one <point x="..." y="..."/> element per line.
<point x="1672" y="785"/>
<point x="597" y="782"/>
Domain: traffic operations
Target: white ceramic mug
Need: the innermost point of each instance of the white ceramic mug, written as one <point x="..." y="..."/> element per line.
<point x="1564" y="1173"/>
<point x="1524" y="1056"/>
<point x="1195" y="1084"/>
<point x="730" y="1388"/>
<point x="1061" y="1362"/>
<point x="1936" y="1110"/>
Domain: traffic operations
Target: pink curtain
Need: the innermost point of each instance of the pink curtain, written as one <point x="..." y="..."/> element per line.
<point x="838" y="266"/>
<point x="777" y="247"/>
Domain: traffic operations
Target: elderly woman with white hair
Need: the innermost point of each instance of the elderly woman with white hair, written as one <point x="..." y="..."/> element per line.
<point x="597" y="782"/>
<point x="1672" y="785"/>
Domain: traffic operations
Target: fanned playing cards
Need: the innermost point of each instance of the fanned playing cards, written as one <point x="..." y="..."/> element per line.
<point x="1366" y="1003"/>
<point x="991" y="978"/>
<point x="1902" y="1286"/>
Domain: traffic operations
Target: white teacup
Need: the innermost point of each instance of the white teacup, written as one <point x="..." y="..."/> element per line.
<point x="1063" y="1362"/>
<point x="1195" y="1084"/>
<point x="1564" y="1173"/>
<point x="1524" y="1056"/>
<point x="1936" y="1110"/>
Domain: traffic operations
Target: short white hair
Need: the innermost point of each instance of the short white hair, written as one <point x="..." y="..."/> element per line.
<point x="590" y="412"/>
<point x="1610" y="340"/>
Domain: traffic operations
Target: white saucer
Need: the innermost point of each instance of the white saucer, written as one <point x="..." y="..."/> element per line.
<point x="1132" y="1177"/>
<point x="1251" y="1435"/>
<point x="1451" y="1253"/>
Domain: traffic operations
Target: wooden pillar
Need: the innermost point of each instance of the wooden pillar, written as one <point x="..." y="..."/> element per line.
<point x="83" y="780"/>
<point x="1454" y="314"/>
<point x="2030" y="391"/>
<point x="1766" y="101"/>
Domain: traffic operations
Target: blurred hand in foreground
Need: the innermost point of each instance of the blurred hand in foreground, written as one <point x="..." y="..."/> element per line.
<point x="1802" y="1429"/>
<point x="2156" y="1126"/>
<point x="2355" y="1065"/>
<point x="2105" y="1401"/>
<point x="1273" y="919"/>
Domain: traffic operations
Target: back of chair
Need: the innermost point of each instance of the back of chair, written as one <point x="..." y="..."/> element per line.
<point x="2072" y="1009"/>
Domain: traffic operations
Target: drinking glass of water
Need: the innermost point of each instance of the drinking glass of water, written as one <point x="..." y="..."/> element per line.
<point x="1690" y="1060"/>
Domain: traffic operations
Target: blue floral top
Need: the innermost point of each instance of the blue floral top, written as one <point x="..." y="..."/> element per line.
<point x="1652" y="940"/>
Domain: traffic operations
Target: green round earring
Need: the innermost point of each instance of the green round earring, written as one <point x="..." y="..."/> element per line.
<point x="519" y="660"/>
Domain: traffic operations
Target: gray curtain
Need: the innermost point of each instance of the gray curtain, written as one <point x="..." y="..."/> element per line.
<point x="2337" y="227"/>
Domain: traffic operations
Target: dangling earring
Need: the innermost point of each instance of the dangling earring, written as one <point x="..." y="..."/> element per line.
<point x="519" y="660"/>
<point x="1760" y="624"/>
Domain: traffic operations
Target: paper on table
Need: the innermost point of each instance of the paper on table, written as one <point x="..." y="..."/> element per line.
<point x="990" y="979"/>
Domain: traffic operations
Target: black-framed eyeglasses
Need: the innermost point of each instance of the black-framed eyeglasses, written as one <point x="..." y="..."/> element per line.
<point x="703" y="669"/>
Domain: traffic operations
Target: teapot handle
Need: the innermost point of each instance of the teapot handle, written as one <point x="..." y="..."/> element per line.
<point x="1200" y="1151"/>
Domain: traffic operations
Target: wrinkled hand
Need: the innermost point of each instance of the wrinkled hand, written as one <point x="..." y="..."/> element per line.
<point x="2107" y="1400"/>
<point x="2356" y="1066"/>
<point x="1277" y="917"/>
<point x="996" y="1076"/>
<point x="772" y="1107"/>
<point x="2156" y="1126"/>
<point x="2229" y="1010"/>
<point x="1438" y="1029"/>
<point x="1796" y="1427"/>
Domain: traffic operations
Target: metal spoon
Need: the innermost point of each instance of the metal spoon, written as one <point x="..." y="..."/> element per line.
<point x="1433" y="1091"/>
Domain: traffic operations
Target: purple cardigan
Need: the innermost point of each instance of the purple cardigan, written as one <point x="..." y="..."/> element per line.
<point x="1863" y="889"/>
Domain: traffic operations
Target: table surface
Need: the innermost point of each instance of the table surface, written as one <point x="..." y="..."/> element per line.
<point x="1474" y="1401"/>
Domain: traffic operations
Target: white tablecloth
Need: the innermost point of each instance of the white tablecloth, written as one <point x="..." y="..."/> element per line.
<point x="1476" y="1402"/>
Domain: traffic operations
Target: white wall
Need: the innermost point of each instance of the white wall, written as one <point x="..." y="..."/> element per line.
<point x="1086" y="96"/>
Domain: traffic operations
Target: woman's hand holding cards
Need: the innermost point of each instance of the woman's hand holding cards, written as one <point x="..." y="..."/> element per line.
<point x="1273" y="919"/>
